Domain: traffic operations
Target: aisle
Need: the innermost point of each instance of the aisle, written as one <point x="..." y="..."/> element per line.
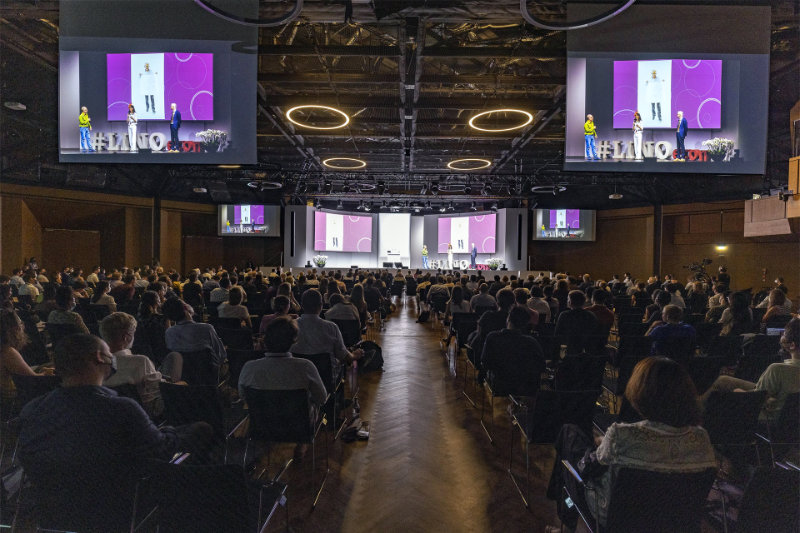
<point x="428" y="466"/>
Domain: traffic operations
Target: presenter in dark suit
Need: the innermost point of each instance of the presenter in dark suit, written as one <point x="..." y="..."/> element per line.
<point x="680" y="134"/>
<point x="473" y="256"/>
<point x="174" y="126"/>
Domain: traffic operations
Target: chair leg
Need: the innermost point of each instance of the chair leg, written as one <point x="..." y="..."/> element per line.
<point x="483" y="406"/>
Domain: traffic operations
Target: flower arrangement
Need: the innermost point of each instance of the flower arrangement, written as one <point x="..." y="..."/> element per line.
<point x="213" y="140"/>
<point x="719" y="149"/>
<point x="494" y="262"/>
<point x="320" y="260"/>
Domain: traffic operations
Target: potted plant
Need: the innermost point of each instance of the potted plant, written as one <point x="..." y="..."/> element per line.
<point x="213" y="140"/>
<point x="494" y="262"/>
<point x="320" y="260"/>
<point x="719" y="149"/>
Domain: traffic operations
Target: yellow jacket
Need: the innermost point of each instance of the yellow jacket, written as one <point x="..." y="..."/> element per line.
<point x="84" y="121"/>
<point x="589" y="128"/>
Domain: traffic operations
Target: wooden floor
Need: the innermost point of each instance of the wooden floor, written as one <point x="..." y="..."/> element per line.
<point x="428" y="465"/>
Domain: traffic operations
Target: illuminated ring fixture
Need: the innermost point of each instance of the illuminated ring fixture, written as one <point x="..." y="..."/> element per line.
<point x="331" y="163"/>
<point x="477" y="164"/>
<point x="314" y="106"/>
<point x="491" y="111"/>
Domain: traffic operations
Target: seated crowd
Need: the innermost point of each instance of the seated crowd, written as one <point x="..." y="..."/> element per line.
<point x="146" y="327"/>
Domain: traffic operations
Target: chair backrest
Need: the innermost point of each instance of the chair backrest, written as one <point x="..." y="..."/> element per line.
<point x="128" y="391"/>
<point x="238" y="338"/>
<point x="280" y="415"/>
<point x="679" y="349"/>
<point x="728" y="346"/>
<point x="350" y="329"/>
<point x="184" y="404"/>
<point x="59" y="331"/>
<point x="228" y="323"/>
<point x="324" y="366"/>
<point x="658" y="502"/>
<point x="634" y="345"/>
<point x="98" y="312"/>
<point x="480" y="309"/>
<point x="778" y="321"/>
<point x="553" y="409"/>
<point x="580" y="372"/>
<point x="202" y="499"/>
<point x="787" y="427"/>
<point x="463" y="324"/>
<point x="397" y="288"/>
<point x="704" y="370"/>
<point x="199" y="368"/>
<point x="236" y="360"/>
<point x="765" y="346"/>
<point x="628" y="328"/>
<point x="30" y="387"/>
<point x="770" y="501"/>
<point x="439" y="301"/>
<point x="731" y="418"/>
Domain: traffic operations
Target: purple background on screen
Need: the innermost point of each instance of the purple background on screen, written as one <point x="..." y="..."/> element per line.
<point x="573" y="218"/>
<point x="356" y="233"/>
<point x="696" y="89"/>
<point x="188" y="80"/>
<point x="256" y="214"/>
<point x="482" y="230"/>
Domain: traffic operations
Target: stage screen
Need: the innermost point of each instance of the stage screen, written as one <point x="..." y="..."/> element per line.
<point x="564" y="224"/>
<point x="187" y="79"/>
<point x="335" y="232"/>
<point x="642" y="60"/>
<point x="113" y="55"/>
<point x="463" y="231"/>
<point x="249" y="220"/>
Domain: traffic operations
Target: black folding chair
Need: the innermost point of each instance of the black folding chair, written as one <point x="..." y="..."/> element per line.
<point x="56" y="332"/>
<point x="642" y="500"/>
<point x="784" y="430"/>
<point x="237" y="339"/>
<point x="579" y="372"/>
<point x="210" y="499"/>
<point x="731" y="419"/>
<point x="704" y="371"/>
<point x="199" y="368"/>
<point x="334" y="383"/>
<point x="350" y="330"/>
<point x="540" y="420"/>
<point x="237" y="360"/>
<point x="286" y="416"/>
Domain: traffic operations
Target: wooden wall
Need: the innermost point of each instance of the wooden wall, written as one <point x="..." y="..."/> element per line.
<point x="79" y="248"/>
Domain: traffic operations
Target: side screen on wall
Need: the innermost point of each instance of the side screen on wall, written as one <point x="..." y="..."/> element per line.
<point x="336" y="232"/>
<point x="564" y="225"/>
<point x="661" y="61"/>
<point x="242" y="220"/>
<point x="461" y="232"/>
<point x="174" y="89"/>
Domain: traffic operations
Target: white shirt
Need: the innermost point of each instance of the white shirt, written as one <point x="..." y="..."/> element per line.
<point x="138" y="370"/>
<point x="29" y="290"/>
<point x="218" y="295"/>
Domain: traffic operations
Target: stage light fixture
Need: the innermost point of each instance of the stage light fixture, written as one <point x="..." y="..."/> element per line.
<point x="318" y="205"/>
<point x="467" y="189"/>
<point x="473" y="163"/>
<point x="354" y="164"/>
<point x="345" y="117"/>
<point x="494" y="206"/>
<point x="528" y="120"/>
<point x="473" y="207"/>
<point x="340" y="205"/>
<point x="442" y="209"/>
<point x="451" y="207"/>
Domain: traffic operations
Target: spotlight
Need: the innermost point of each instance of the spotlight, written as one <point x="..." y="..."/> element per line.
<point x="318" y="205"/>
<point x="428" y="206"/>
<point x="435" y="188"/>
<point x="442" y="209"/>
<point x="345" y="118"/>
<point x="368" y="207"/>
<point x="467" y="189"/>
<point x="473" y="207"/>
<point x="451" y="207"/>
<point x="339" y="205"/>
<point x="494" y="206"/>
<point x="527" y="120"/>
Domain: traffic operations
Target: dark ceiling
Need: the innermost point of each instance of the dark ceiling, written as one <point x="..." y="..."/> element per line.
<point x="412" y="73"/>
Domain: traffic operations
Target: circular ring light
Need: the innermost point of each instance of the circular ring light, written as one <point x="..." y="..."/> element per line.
<point x="528" y="120"/>
<point x="355" y="164"/>
<point x="475" y="164"/>
<point x="314" y="106"/>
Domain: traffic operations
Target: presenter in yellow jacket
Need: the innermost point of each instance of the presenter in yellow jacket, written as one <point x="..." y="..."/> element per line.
<point x="590" y="134"/>
<point x="85" y="126"/>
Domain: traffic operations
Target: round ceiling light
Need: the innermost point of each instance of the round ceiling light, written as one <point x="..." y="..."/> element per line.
<point x="345" y="118"/>
<point x="528" y="120"/>
<point x="472" y="164"/>
<point x="344" y="163"/>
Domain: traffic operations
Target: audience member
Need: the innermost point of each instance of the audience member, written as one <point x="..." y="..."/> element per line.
<point x="671" y="332"/>
<point x="483" y="299"/>
<point x="521" y="296"/>
<point x="280" y="306"/>
<point x="576" y="326"/>
<point x="12" y="340"/>
<point x="604" y="315"/>
<point x="512" y="356"/>
<point x="123" y="292"/>
<point x="738" y="318"/>
<point x="233" y="308"/>
<point x="220" y="294"/>
<point x="188" y="336"/>
<point x="84" y="431"/>
<point x="537" y="303"/>
<point x="64" y="314"/>
<point x="102" y="297"/>
<point x="777" y="307"/>
<point x="152" y="327"/>
<point x="341" y="309"/>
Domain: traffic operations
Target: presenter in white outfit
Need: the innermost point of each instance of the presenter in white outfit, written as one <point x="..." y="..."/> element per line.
<point x="132" y="128"/>
<point x="450" y="255"/>
<point x="637" y="135"/>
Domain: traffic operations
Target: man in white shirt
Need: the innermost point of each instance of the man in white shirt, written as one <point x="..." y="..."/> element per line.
<point x="93" y="278"/>
<point x="118" y="330"/>
<point x="537" y="303"/>
<point x="220" y="294"/>
<point x="16" y="278"/>
<point x="29" y="287"/>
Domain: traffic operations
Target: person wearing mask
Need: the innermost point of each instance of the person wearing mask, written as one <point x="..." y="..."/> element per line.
<point x="102" y="297"/>
<point x="233" y="308"/>
<point x="64" y="314"/>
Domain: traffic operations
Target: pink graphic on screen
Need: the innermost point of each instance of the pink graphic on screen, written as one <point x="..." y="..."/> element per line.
<point x="481" y="230"/>
<point x="187" y="80"/>
<point x="565" y="218"/>
<point x="342" y="233"/>
<point x="695" y="88"/>
<point x="253" y="214"/>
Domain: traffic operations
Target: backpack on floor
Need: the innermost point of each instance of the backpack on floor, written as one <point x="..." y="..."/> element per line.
<point x="372" y="359"/>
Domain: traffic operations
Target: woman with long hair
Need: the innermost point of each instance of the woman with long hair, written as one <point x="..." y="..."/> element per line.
<point x="101" y="297"/>
<point x="738" y="318"/>
<point x="637" y="135"/>
<point x="12" y="339"/>
<point x="151" y="328"/>
<point x="132" y="128"/>
<point x="664" y="399"/>
<point x="357" y="299"/>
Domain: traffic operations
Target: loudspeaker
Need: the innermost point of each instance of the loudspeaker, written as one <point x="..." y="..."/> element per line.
<point x="291" y="234"/>
<point x="387" y="264"/>
<point x="354" y="267"/>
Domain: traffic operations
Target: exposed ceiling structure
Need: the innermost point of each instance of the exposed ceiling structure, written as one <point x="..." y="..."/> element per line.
<point x="410" y="75"/>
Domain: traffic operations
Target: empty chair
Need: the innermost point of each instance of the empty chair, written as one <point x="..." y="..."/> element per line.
<point x="210" y="499"/>
<point x="656" y="502"/>
<point x="286" y="416"/>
